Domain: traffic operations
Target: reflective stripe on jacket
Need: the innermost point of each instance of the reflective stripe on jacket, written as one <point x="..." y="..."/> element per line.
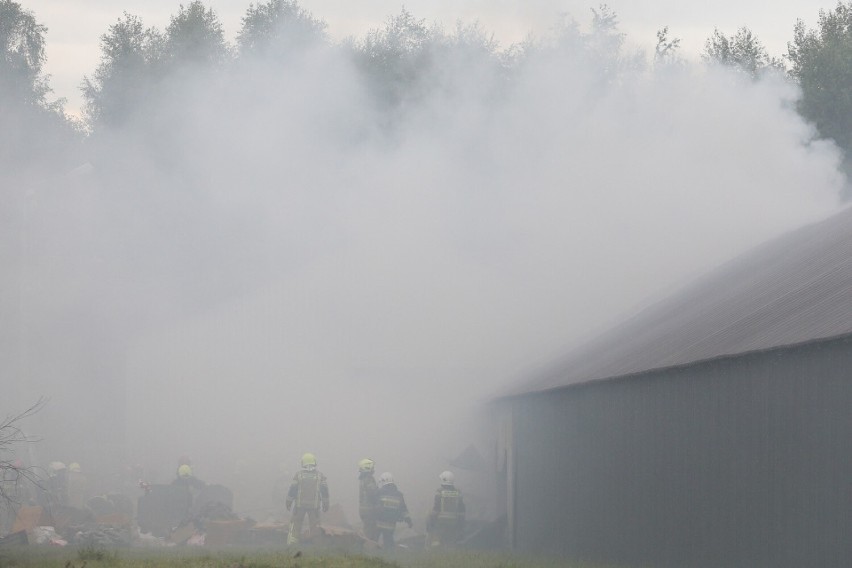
<point x="308" y="488"/>
<point x="391" y="507"/>
<point x="450" y="506"/>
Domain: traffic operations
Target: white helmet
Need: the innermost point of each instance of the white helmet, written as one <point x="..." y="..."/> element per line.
<point x="385" y="479"/>
<point x="447" y="478"/>
<point x="55" y="467"/>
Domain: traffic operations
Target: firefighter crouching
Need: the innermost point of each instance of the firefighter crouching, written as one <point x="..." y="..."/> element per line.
<point x="368" y="498"/>
<point x="446" y="520"/>
<point x="308" y="492"/>
<point x="392" y="509"/>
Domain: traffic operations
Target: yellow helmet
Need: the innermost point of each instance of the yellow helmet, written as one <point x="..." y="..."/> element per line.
<point x="309" y="460"/>
<point x="366" y="465"/>
<point x="184" y="471"/>
<point x="75" y="467"/>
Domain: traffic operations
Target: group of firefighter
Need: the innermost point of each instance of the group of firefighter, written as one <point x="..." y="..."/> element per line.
<point x="381" y="505"/>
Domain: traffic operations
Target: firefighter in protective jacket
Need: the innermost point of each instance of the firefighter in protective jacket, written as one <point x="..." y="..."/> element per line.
<point x="392" y="509"/>
<point x="308" y="493"/>
<point x="368" y="498"/>
<point x="446" y="520"/>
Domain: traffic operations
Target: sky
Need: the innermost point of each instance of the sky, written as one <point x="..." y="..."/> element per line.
<point x="75" y="26"/>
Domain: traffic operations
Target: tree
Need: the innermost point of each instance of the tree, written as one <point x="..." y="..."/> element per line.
<point x="131" y="61"/>
<point x="195" y="38"/>
<point x="34" y="132"/>
<point x="821" y="62"/>
<point x="742" y="51"/>
<point x="605" y="41"/>
<point x="465" y="59"/>
<point x="665" y="52"/>
<point x="14" y="472"/>
<point x="395" y="58"/>
<point x="136" y="60"/>
<point x="470" y="44"/>
<point x="598" y="55"/>
<point x="277" y="28"/>
<point x="22" y="45"/>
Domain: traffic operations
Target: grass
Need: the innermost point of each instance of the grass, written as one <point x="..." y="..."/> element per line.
<point x="37" y="557"/>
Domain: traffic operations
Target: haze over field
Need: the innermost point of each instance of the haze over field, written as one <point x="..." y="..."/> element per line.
<point x="273" y="263"/>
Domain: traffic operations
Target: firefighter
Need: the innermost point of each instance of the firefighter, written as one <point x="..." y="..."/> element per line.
<point x="193" y="487"/>
<point x="308" y="492"/>
<point x="183" y="461"/>
<point x="367" y="498"/>
<point x="446" y="520"/>
<point x="55" y="491"/>
<point x="391" y="510"/>
<point x="186" y="479"/>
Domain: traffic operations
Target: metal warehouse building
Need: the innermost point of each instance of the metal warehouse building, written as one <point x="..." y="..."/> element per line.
<point x="712" y="429"/>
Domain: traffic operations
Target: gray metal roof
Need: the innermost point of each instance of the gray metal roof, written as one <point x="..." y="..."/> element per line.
<point x="794" y="289"/>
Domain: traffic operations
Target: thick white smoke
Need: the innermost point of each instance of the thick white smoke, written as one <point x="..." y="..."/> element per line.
<point x="358" y="288"/>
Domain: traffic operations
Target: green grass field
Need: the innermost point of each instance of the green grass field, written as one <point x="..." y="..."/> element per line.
<point x="32" y="557"/>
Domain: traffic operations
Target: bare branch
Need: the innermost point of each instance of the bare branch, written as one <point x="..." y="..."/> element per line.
<point x="13" y="473"/>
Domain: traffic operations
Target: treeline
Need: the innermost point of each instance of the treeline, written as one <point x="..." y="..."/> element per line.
<point x="399" y="64"/>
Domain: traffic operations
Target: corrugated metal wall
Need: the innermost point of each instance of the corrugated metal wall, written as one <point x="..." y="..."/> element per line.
<point x="735" y="462"/>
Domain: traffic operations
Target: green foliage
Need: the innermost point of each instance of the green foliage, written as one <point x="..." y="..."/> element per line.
<point x="195" y="37"/>
<point x="397" y="57"/>
<point x="604" y="44"/>
<point x="463" y="60"/>
<point x="665" y="52"/>
<point x="94" y="554"/>
<point x="131" y="64"/>
<point x="742" y="51"/>
<point x="406" y="59"/>
<point x="598" y="53"/>
<point x="278" y="28"/>
<point x="21" y="55"/>
<point x="401" y="62"/>
<point x="821" y="62"/>
<point x="35" y="132"/>
<point x="135" y="61"/>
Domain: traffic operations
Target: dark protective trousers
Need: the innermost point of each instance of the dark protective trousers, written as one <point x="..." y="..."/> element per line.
<point x="297" y="520"/>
